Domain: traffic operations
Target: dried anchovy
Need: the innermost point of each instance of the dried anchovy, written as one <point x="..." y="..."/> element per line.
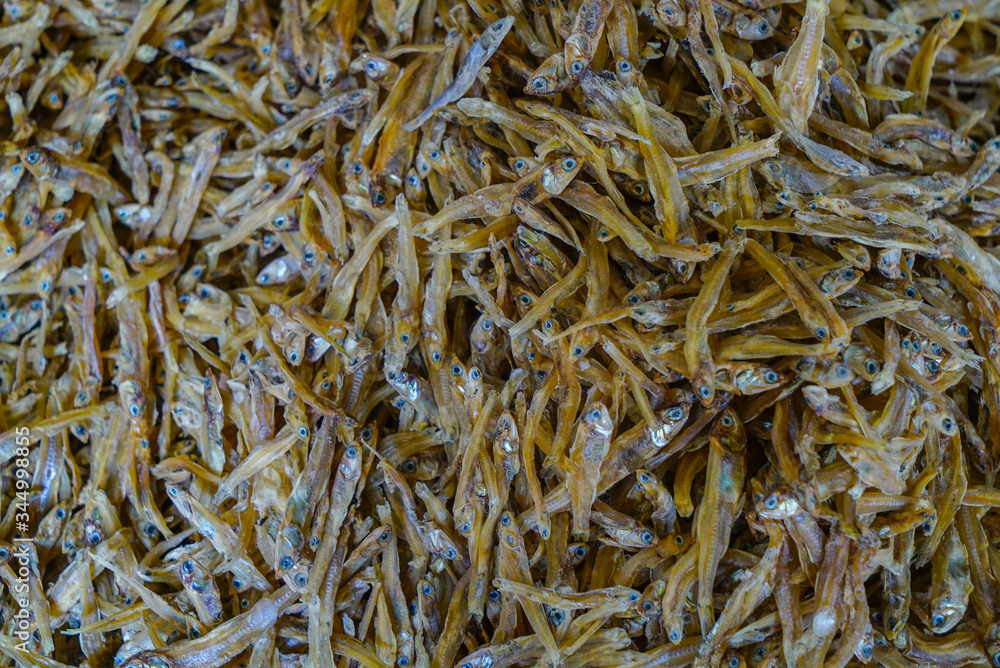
<point x="455" y="334"/>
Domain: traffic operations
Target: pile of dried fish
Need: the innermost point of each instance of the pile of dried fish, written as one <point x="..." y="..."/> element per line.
<point x="479" y="334"/>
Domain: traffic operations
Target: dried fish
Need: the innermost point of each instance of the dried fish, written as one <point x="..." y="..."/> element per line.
<point x="434" y="334"/>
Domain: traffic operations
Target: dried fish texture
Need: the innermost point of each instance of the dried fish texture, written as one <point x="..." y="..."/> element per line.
<point x="469" y="334"/>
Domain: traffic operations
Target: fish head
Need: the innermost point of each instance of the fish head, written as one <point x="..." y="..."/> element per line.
<point x="728" y="430"/>
<point x="578" y="53"/>
<point x="752" y="27"/>
<point x="779" y="504"/>
<point x="597" y="421"/>
<point x="546" y="80"/>
<point x="39" y="161"/>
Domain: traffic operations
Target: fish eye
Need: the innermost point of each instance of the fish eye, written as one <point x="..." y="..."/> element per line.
<point x="675" y="635"/>
<point x="303" y="432"/>
<point x="405" y="338"/>
<point x="595" y="414"/>
<point x="357" y="168"/>
<point x="60" y="513"/>
<point x="577" y="351"/>
<point x="456" y="370"/>
<point x="734" y="662"/>
<point x="580" y="551"/>
<point x="237" y="583"/>
<point x="380" y="198"/>
<point x="293" y="357"/>
<point x="906" y="343"/>
<point x="403" y="661"/>
<point x="727" y="421"/>
<point x="675" y="413"/>
<point x="384" y="536"/>
<point x="525" y="299"/>
<point x="963" y="330"/>
<point x="625" y="66"/>
<point x="956" y="15"/>
<point x="33" y="157"/>
<point x="576" y="67"/>
<point x="487" y="325"/>
<point x="996" y="658"/>
<point x="568" y="164"/>
<point x="647" y="537"/>
<point x="244" y="603"/>
<point x="760" y="651"/>
<point x="933" y="366"/>
<point x="434" y="155"/>
<point x="771" y="377"/>
<point x="187" y="566"/>
<point x="821" y="332"/>
<point x="705" y="391"/>
<point x="557" y="616"/>
<point x="538" y="83"/>
<point x="410" y="467"/>
<point x="505" y="519"/>
<point x="947" y="425"/>
<point x="603" y="234"/>
<point x="4" y="553"/>
<point x="871" y="366"/>
<point x="849" y="275"/>
<point x="286" y="563"/>
<point x="465" y="528"/>
<point x="520" y="164"/>
<point x="475" y="374"/>
<point x="451" y="553"/>
<point x="764" y="26"/>
<point x="494" y="595"/>
<point x="937" y="620"/>
<point x="771" y="503"/>
<point x="301" y="580"/>
<point x="134" y="410"/>
<point x="910" y="292"/>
